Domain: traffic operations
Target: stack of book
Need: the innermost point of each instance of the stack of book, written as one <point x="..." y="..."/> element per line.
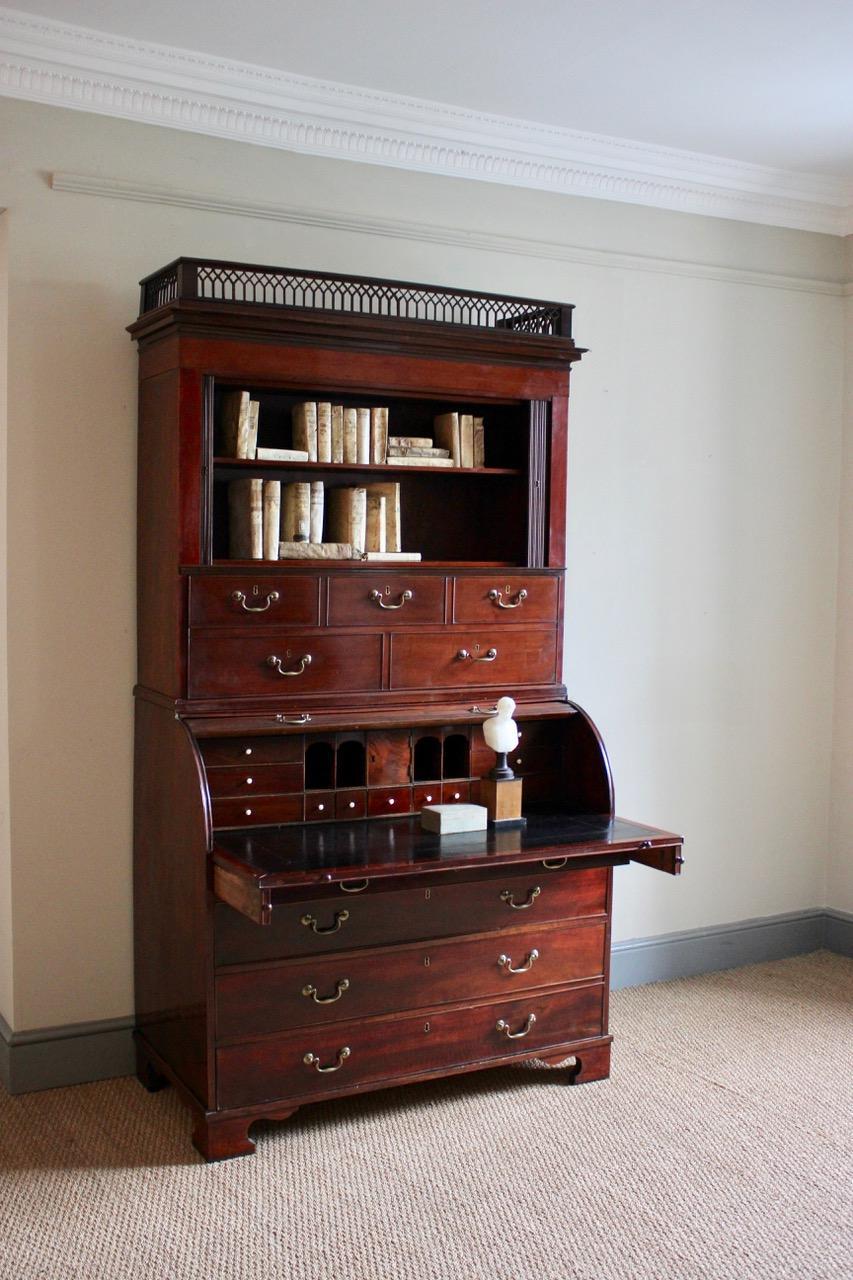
<point x="238" y="420"/>
<point x="417" y="451"/>
<point x="335" y="433"/>
<point x="462" y="435"/>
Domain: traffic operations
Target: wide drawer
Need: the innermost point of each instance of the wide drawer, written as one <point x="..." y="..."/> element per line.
<point x="496" y="599"/>
<point x="464" y="657"/>
<point x="255" y="780"/>
<point x="281" y="663"/>
<point x="258" y="811"/>
<point x="362" y="983"/>
<point x="338" y="1057"/>
<point x="385" y="600"/>
<point x="288" y="600"/>
<point x="253" y="750"/>
<point x="375" y="917"/>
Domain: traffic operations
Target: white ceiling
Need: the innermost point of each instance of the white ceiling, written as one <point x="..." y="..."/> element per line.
<point x="757" y="82"/>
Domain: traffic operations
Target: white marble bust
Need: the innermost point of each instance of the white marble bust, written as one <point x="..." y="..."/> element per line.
<point x="501" y="731"/>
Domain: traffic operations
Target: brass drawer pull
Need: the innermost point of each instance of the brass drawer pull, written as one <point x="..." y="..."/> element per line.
<point x="507" y="897"/>
<point x="310" y="922"/>
<point x="489" y="656"/>
<point x="311" y="1060"/>
<point x="495" y="597"/>
<point x="302" y="718"/>
<point x="376" y="597"/>
<point x="340" y="987"/>
<point x="302" y="663"/>
<point x="505" y="962"/>
<point x="516" y="1035"/>
<point x="552" y="864"/>
<point x="358" y="886"/>
<point x="240" y="598"/>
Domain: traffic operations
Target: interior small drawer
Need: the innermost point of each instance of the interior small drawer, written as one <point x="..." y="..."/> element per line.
<point x="358" y="984"/>
<point x="340" y="1056"/>
<point x="494" y="599"/>
<point x="385" y="600"/>
<point x="260" y="601"/>
<point x="474" y="657"/>
<point x="338" y="921"/>
<point x="281" y="663"/>
<point x="253" y="811"/>
<point x="274" y="749"/>
<point x="255" y="780"/>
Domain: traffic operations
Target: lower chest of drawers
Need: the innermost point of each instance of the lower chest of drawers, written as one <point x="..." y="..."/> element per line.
<point x="344" y="991"/>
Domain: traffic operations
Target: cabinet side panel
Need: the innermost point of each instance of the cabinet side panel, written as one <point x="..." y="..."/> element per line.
<point x="160" y="590"/>
<point x="172" y="832"/>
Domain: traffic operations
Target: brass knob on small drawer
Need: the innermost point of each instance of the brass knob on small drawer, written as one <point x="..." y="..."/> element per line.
<point x="310" y="922"/>
<point x="376" y="597"/>
<point x="496" y="598"/>
<point x="465" y="655"/>
<point x="508" y="897"/>
<point x="503" y="1026"/>
<point x="311" y="1060"/>
<point x="276" y="664"/>
<point x="340" y="987"/>
<point x="505" y="962"/>
<point x="240" y="598"/>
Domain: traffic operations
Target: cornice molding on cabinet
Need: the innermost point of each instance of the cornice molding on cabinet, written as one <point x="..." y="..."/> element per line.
<point x="400" y="229"/>
<point x="42" y="60"/>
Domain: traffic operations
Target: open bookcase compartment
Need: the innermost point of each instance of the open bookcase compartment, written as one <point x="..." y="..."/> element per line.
<point x="468" y="505"/>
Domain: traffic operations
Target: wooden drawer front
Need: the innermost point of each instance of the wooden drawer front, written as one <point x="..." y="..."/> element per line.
<point x="455" y="793"/>
<point x="255" y="751"/>
<point x="350" y="804"/>
<point x="319" y="806"/>
<point x="252" y="811"/>
<point x="523" y="656"/>
<point x="492" y="598"/>
<point x="293" y="600"/>
<point x="382" y="917"/>
<point x="388" y="802"/>
<point x="400" y="1047"/>
<point x="363" y="983"/>
<point x="255" y="780"/>
<point x="402" y="600"/>
<point x="239" y="665"/>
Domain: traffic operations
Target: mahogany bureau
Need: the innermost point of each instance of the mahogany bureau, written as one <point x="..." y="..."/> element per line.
<point x="298" y="936"/>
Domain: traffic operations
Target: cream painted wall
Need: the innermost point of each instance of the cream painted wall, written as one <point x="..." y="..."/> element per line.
<point x="840" y="885"/>
<point x="7" y="1002"/>
<point x="703" y="511"/>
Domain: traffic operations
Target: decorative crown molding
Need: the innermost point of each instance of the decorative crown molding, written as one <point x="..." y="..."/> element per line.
<point x="430" y="233"/>
<point x="42" y="60"/>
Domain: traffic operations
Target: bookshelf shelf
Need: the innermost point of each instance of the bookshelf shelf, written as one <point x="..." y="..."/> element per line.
<point x="297" y="936"/>
<point x="255" y="465"/>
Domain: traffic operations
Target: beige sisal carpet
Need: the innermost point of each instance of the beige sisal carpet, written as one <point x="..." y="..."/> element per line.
<point x="721" y="1147"/>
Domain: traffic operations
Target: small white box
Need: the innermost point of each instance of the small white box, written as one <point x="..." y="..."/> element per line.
<point x="447" y="818"/>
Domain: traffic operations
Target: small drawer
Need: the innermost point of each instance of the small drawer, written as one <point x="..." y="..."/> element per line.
<point x="389" y="801"/>
<point x="339" y="1057"/>
<point x="319" y="806"/>
<point x="255" y="751"/>
<point x="350" y="804"/>
<point x="360" y="984"/>
<point x="278" y="601"/>
<point x="385" y="600"/>
<point x="494" y="599"/>
<point x="460" y="658"/>
<point x="257" y="811"/>
<point x="250" y="780"/>
<point x="339" y="921"/>
<point x="281" y="664"/>
<point x="455" y="793"/>
<point x="425" y="793"/>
